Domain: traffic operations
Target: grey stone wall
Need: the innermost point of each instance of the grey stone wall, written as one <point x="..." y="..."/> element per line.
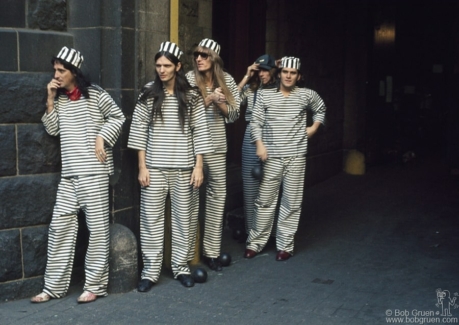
<point x="195" y="24"/>
<point x="31" y="32"/>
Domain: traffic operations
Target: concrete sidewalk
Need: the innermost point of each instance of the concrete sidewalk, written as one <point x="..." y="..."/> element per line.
<point x="369" y="248"/>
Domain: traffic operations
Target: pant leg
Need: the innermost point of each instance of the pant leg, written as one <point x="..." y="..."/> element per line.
<point x="152" y="205"/>
<point x="292" y="198"/>
<point x="61" y="240"/>
<point x="93" y="198"/>
<point x="265" y="205"/>
<point x="194" y="222"/>
<point x="215" y="204"/>
<point x="250" y="184"/>
<point x="182" y="195"/>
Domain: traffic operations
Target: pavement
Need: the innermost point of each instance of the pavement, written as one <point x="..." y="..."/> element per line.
<point x="373" y="249"/>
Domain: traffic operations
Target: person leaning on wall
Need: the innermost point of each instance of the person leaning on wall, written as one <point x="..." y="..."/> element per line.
<point x="88" y="122"/>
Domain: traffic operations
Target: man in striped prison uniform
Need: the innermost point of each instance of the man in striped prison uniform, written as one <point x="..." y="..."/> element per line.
<point x="170" y="132"/>
<point x="88" y="122"/>
<point x="281" y="136"/>
<point x="260" y="75"/>
<point x="222" y="101"/>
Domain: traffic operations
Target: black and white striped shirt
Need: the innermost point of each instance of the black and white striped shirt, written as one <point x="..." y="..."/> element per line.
<point x="249" y="97"/>
<point x="280" y="122"/>
<point x="165" y="144"/>
<point x="215" y="119"/>
<point x="79" y="123"/>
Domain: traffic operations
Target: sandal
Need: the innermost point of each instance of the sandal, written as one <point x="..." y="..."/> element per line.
<point x="86" y="297"/>
<point x="42" y="297"/>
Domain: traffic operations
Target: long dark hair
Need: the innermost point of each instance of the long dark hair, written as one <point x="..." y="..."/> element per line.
<point x="255" y="82"/>
<point x="156" y="91"/>
<point x="82" y="81"/>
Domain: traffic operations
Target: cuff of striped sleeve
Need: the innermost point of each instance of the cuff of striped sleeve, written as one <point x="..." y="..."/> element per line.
<point x="233" y="115"/>
<point x="109" y="139"/>
<point x="50" y="119"/>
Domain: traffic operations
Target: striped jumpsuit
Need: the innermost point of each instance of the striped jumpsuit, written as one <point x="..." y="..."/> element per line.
<point x="170" y="159"/>
<point x="83" y="185"/>
<point x="280" y="122"/>
<point x="215" y="171"/>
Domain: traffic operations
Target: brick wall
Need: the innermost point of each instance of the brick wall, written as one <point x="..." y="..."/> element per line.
<point x="31" y="32"/>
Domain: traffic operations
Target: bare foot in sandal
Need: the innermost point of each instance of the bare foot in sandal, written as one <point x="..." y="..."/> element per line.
<point x="42" y="297"/>
<point x="87" y="297"/>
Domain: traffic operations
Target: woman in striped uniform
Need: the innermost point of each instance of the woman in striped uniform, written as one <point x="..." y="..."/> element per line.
<point x="169" y="131"/>
<point x="222" y="100"/>
<point x="281" y="135"/>
<point x="88" y="122"/>
<point x="260" y="75"/>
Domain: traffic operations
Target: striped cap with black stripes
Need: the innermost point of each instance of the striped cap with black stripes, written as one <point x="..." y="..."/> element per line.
<point x="172" y="48"/>
<point x="71" y="56"/>
<point x="290" y="62"/>
<point x="210" y="44"/>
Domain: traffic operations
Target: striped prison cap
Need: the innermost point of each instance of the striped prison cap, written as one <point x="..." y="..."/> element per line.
<point x="172" y="48"/>
<point x="71" y="56"/>
<point x="290" y="62"/>
<point x="211" y="44"/>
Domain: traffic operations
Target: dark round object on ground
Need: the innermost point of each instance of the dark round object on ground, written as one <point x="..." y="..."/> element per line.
<point x="225" y="259"/>
<point x="199" y="275"/>
<point x="257" y="172"/>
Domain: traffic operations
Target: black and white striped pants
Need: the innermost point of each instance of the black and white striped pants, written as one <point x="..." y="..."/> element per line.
<point x="290" y="172"/>
<point x="215" y="172"/>
<point x="89" y="193"/>
<point x="152" y="205"/>
<point x="250" y="184"/>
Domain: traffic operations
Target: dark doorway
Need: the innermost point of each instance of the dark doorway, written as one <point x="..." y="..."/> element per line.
<point x="410" y="93"/>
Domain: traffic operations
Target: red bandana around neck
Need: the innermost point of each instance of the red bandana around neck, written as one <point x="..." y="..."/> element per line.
<point x="75" y="94"/>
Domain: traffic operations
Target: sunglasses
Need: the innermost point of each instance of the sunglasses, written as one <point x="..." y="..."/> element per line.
<point x="203" y="55"/>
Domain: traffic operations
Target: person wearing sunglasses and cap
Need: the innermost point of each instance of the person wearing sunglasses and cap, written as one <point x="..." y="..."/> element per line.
<point x="262" y="74"/>
<point x="222" y="101"/>
<point x="170" y="133"/>
<point x="281" y="134"/>
<point x="88" y="122"/>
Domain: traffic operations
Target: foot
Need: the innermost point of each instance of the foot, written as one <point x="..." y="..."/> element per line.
<point x="186" y="280"/>
<point x="145" y="285"/>
<point x="42" y="297"/>
<point x="249" y="253"/>
<point x="213" y="263"/>
<point x="86" y="297"/>
<point x="283" y="256"/>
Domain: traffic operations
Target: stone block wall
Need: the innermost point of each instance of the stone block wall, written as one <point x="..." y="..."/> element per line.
<point x="31" y="32"/>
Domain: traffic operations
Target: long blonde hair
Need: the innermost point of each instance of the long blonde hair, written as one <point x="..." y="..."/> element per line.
<point x="218" y="75"/>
